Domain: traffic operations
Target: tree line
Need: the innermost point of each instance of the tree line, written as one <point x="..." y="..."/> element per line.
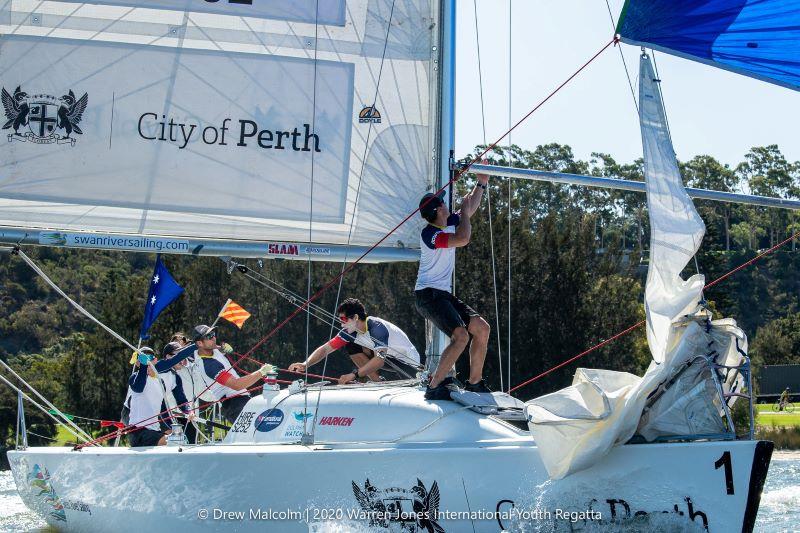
<point x="578" y="259"/>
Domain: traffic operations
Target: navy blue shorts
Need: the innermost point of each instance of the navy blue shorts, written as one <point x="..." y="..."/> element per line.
<point x="443" y="309"/>
<point x="145" y="437"/>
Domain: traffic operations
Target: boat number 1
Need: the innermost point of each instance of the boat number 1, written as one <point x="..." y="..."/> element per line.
<point x="725" y="460"/>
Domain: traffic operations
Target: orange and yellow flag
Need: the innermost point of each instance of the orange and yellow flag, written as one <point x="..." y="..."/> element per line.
<point x="233" y="312"/>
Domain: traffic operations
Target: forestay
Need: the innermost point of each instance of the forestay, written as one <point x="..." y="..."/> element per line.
<point x="227" y="121"/>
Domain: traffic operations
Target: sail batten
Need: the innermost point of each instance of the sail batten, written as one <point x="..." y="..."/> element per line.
<point x="759" y="39"/>
<point x="214" y="125"/>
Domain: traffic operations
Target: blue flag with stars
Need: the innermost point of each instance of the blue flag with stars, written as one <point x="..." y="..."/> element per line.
<point x="163" y="291"/>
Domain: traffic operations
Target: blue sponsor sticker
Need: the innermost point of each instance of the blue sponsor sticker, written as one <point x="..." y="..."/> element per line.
<point x="269" y="420"/>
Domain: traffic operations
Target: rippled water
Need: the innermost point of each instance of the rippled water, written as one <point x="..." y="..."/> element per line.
<point x="779" y="512"/>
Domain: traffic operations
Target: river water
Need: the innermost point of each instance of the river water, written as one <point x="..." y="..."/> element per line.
<point x="779" y="512"/>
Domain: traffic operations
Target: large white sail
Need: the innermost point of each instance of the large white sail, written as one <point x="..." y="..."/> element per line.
<point x="221" y="122"/>
<point x="676" y="229"/>
<point x="577" y="426"/>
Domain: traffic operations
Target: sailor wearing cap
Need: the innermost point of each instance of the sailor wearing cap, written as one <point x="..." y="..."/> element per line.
<point x="217" y="376"/>
<point x="433" y="292"/>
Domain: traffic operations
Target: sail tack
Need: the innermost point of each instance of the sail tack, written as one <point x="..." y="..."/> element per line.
<point x="274" y="122"/>
<point x="760" y="39"/>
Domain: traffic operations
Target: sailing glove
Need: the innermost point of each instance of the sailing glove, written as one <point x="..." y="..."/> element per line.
<point x="267" y="369"/>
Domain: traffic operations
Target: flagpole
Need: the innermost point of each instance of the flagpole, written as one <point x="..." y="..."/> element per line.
<point x="219" y="315"/>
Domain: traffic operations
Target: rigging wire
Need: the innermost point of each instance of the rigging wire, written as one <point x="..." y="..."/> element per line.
<point x="311" y="220"/>
<point x="663" y="102"/>
<point x="642" y="322"/>
<point x="316" y="311"/>
<point x="360" y="180"/>
<point x="510" y="186"/>
<point x="489" y="203"/>
<point x="456" y="175"/>
<point x="77" y="435"/>
<point x="622" y="56"/>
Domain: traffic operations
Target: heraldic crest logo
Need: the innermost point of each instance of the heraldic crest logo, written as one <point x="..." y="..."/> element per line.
<point x="402" y="510"/>
<point x="49" y="119"/>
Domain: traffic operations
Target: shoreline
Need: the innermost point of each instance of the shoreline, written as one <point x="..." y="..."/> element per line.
<point x="786" y="455"/>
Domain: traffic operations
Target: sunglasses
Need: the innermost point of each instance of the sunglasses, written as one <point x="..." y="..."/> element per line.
<point x="343" y="318"/>
<point x="209" y="336"/>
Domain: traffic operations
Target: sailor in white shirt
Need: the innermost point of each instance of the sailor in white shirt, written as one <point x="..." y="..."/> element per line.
<point x="147" y="405"/>
<point x="435" y="301"/>
<point x="368" y="340"/>
<point x="218" y="378"/>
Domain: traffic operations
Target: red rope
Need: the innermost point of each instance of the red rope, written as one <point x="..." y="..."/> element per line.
<point x="571" y="359"/>
<point x="132" y="429"/>
<point x="457" y="175"/>
<point x="346" y="270"/>
<point x="125" y="430"/>
<point x="638" y="324"/>
<point x="753" y="260"/>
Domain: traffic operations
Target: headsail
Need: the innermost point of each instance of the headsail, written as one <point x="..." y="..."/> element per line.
<point x="236" y="123"/>
<point x="760" y="39"/>
<point x="676" y="229"/>
<point x="578" y="425"/>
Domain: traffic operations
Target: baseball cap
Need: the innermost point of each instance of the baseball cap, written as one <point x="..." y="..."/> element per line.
<point x="170" y="348"/>
<point x="201" y="331"/>
<point x="428" y="208"/>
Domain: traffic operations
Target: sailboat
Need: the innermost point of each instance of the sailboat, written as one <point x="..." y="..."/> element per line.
<point x="308" y="130"/>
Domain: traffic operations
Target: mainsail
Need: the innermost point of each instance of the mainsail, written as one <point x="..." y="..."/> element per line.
<point x="760" y="39"/>
<point x="297" y="121"/>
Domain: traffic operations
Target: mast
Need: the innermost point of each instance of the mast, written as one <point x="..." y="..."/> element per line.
<point x="437" y="341"/>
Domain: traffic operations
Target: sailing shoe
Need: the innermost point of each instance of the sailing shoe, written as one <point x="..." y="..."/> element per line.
<point x="451" y="383"/>
<point x="440" y="392"/>
<point x="479" y="387"/>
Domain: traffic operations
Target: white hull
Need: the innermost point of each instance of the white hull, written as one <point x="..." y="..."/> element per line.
<point x="169" y="488"/>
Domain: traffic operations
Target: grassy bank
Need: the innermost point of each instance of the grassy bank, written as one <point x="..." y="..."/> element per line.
<point x="780" y="427"/>
<point x="783" y="437"/>
<point x="768" y="417"/>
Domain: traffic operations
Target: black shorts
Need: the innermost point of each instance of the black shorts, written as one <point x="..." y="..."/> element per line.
<point x="145" y="437"/>
<point x="231" y="407"/>
<point x="354" y="349"/>
<point x="443" y="309"/>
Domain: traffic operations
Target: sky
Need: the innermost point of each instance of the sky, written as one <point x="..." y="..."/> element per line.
<point x="710" y="111"/>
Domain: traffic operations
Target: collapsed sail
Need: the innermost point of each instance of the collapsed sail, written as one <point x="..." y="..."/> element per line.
<point x="278" y="121"/>
<point x="760" y="39"/>
<point x="676" y="229"/>
<point x="578" y="425"/>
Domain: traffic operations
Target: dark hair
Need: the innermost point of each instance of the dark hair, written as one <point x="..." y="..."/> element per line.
<point x="179" y="336"/>
<point x="429" y="216"/>
<point x="351" y="307"/>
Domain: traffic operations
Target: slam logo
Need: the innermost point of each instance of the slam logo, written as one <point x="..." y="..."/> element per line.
<point x="43" y="118"/>
<point x="369" y="114"/>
